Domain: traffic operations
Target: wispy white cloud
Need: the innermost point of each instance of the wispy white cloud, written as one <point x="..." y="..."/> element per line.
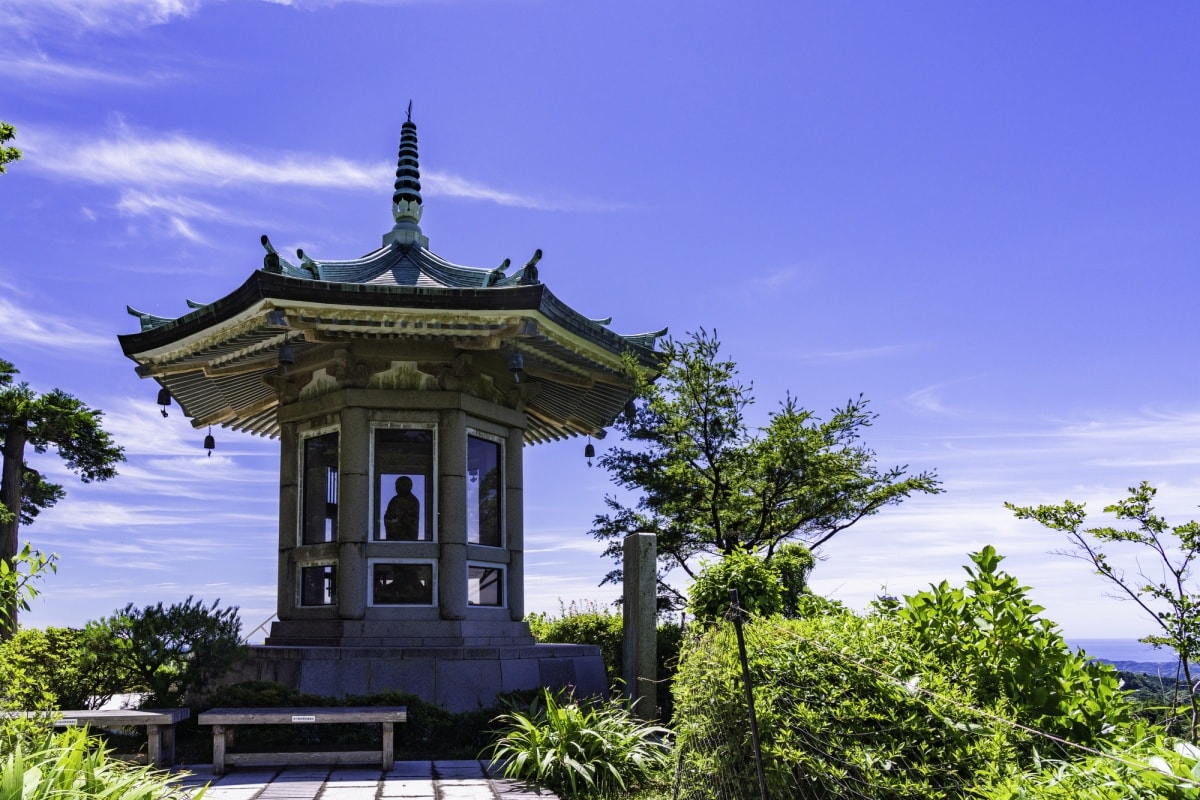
<point x="437" y="183"/>
<point x="853" y="354"/>
<point x="128" y="158"/>
<point x="928" y="400"/>
<point x="24" y="326"/>
<point x="313" y="4"/>
<point x="147" y="162"/>
<point x="134" y="202"/>
<point x="773" y="280"/>
<point x="74" y="16"/>
<point x="41" y="69"/>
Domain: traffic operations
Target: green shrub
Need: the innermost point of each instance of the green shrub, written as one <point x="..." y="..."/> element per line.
<point x="585" y="623"/>
<point x="60" y="667"/>
<point x="793" y="563"/>
<point x="70" y="765"/>
<point x="170" y="651"/>
<point x="757" y="583"/>
<point x="580" y="749"/>
<point x="1148" y="767"/>
<point x="990" y="635"/>
<point x="826" y="722"/>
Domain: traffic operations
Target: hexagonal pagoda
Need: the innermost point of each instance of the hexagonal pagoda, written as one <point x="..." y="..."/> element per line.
<point x="403" y="389"/>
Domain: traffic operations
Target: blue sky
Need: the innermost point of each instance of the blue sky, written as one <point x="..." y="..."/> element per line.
<point x="981" y="216"/>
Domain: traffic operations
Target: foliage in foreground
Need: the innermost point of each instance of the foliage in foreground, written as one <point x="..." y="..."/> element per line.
<point x="990" y="635"/>
<point x="827" y="723"/>
<point x="580" y="749"/>
<point x="1149" y="767"/>
<point x="70" y="765"/>
<point x="913" y="700"/>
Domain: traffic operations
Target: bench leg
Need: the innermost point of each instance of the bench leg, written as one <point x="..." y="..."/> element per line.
<point x="389" y="748"/>
<point x="218" y="749"/>
<point x="156" y="745"/>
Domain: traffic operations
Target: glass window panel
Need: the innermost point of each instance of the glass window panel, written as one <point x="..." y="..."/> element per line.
<point x="403" y="474"/>
<point x="401" y="584"/>
<point x="484" y="488"/>
<point x="318" y="585"/>
<point x="485" y="586"/>
<point x="320" y="489"/>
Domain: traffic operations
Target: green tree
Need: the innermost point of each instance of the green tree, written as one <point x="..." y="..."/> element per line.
<point x="1162" y="585"/>
<point x="169" y="651"/>
<point x="7" y="152"/>
<point x="709" y="485"/>
<point x="29" y="420"/>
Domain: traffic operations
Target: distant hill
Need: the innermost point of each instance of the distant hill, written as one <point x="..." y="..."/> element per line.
<point x="1162" y="669"/>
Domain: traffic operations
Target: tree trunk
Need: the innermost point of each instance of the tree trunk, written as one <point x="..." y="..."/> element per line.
<point x="10" y="495"/>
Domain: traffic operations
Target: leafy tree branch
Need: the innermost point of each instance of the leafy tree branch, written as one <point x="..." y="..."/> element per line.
<point x="707" y="484"/>
<point x="8" y="153"/>
<point x="1165" y="592"/>
<point x="38" y="422"/>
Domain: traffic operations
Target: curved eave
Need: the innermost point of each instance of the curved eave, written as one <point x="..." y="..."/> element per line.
<point x="216" y="360"/>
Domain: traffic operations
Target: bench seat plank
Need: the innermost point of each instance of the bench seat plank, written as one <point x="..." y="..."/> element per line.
<point x="308" y="716"/>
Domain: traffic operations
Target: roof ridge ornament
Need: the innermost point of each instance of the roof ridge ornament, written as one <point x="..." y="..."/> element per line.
<point x="406" y="199"/>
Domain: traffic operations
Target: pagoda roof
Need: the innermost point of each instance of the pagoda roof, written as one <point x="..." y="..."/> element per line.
<point x="400" y="306"/>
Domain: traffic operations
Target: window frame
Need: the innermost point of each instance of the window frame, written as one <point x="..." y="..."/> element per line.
<point x="300" y="567"/>
<point x="429" y="502"/>
<point x="502" y="490"/>
<point x="429" y="562"/>
<point x="303" y="482"/>
<point x="503" y="583"/>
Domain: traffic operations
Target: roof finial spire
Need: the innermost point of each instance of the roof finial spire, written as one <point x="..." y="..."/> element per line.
<point x="406" y="200"/>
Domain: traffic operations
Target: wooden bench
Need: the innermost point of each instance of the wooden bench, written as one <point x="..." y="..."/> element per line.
<point x="223" y="721"/>
<point x="159" y="724"/>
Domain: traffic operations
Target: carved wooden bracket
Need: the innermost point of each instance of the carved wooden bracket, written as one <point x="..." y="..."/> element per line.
<point x="288" y="387"/>
<point x="519" y="394"/>
<point x="349" y="371"/>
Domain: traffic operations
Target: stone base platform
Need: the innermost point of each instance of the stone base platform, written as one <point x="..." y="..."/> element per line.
<point x="455" y="678"/>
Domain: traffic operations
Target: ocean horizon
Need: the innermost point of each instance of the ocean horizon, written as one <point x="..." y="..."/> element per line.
<point x="1123" y="650"/>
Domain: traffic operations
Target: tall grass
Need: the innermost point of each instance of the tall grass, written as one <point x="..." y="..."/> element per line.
<point x="70" y="765"/>
<point x="580" y="750"/>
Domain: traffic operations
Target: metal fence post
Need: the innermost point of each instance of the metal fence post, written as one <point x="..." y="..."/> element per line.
<point x="736" y="611"/>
